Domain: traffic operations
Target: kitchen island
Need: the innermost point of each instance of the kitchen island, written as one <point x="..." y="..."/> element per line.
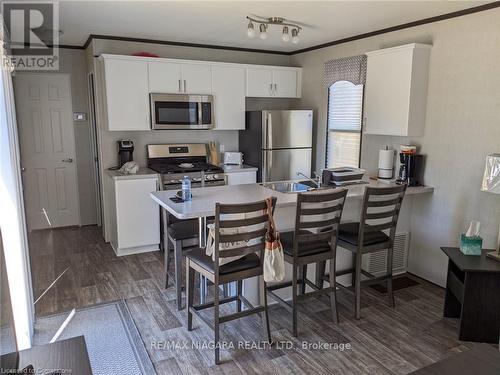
<point x="204" y="199"/>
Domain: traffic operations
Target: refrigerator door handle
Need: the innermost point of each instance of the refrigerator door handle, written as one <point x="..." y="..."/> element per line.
<point x="267" y="159"/>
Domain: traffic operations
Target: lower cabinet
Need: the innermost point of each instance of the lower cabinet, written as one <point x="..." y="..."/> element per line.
<point x="244" y="177"/>
<point x="135" y="217"/>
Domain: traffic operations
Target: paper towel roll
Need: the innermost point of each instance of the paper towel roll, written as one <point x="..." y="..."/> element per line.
<point x="386" y="159"/>
<point x="385" y="163"/>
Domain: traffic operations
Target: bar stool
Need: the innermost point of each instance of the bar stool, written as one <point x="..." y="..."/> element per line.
<point x="379" y="213"/>
<point x="313" y="240"/>
<point x="181" y="235"/>
<point x="252" y="230"/>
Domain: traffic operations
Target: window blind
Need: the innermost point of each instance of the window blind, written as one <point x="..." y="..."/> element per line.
<point x="345" y="106"/>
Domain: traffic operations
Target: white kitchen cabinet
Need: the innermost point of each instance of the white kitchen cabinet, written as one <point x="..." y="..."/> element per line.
<point x="228" y="89"/>
<point x="179" y="78"/>
<point x="126" y="94"/>
<point x="396" y="90"/>
<point x="197" y="78"/>
<point x="285" y="83"/>
<point x="165" y="77"/>
<point x="242" y="177"/>
<point x="269" y="82"/>
<point x="259" y="82"/>
<point x="134" y="217"/>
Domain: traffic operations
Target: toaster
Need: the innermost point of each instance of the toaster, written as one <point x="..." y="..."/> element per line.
<point x="233" y="158"/>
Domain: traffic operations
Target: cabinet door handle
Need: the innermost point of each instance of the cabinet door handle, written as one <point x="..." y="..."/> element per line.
<point x="184" y="85"/>
<point x="271" y="89"/>
<point x="275" y="88"/>
<point x="180" y="90"/>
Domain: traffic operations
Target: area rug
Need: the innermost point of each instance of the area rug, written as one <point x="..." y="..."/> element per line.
<point x="113" y="343"/>
<point x="397" y="284"/>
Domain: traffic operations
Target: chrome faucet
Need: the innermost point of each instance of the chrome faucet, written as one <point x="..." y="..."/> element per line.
<point x="317" y="182"/>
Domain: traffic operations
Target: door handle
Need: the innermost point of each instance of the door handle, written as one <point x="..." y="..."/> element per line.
<point x="271" y="89"/>
<point x="23" y="169"/>
<point x="275" y="88"/>
<point x="68" y="160"/>
<point x="184" y="85"/>
<point x="180" y="90"/>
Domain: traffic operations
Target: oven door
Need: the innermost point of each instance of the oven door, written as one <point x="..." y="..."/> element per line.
<point x="174" y="111"/>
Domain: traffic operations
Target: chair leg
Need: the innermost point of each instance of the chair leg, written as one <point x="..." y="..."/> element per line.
<point x="166" y="261"/>
<point x="294" y="300"/>
<point x="302" y="277"/>
<point x="320" y="272"/>
<point x="390" y="291"/>
<point x="189" y="294"/>
<point x="239" y="291"/>
<point x="266" y="313"/>
<point x="333" y="291"/>
<point x="357" y="285"/>
<point x="216" y="324"/>
<point x="178" y="272"/>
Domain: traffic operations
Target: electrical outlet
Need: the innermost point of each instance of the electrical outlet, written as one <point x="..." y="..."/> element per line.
<point x="222" y="148"/>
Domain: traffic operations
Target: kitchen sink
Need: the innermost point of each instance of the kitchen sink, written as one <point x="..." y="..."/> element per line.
<point x="290" y="186"/>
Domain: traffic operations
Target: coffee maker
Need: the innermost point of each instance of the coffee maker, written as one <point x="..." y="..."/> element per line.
<point x="125" y="152"/>
<point x="411" y="165"/>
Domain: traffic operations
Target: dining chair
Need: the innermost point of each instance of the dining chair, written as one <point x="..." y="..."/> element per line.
<point x="248" y="224"/>
<point x="314" y="239"/>
<point x="379" y="214"/>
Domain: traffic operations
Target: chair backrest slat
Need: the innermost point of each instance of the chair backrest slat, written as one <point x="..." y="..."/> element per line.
<point x="244" y="222"/>
<point x="243" y="227"/>
<point x="318" y="217"/>
<point x="381" y="207"/>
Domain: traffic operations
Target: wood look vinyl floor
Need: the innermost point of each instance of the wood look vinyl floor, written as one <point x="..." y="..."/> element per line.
<point x="384" y="341"/>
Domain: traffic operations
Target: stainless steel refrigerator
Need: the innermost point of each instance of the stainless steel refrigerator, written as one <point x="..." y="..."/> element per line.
<point x="279" y="143"/>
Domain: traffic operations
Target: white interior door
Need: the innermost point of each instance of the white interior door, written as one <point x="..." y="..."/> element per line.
<point x="46" y="136"/>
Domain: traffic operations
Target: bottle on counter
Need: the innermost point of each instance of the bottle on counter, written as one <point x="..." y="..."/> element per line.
<point x="186" y="188"/>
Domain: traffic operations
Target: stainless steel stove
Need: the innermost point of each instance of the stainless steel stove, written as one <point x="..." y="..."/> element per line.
<point x="174" y="161"/>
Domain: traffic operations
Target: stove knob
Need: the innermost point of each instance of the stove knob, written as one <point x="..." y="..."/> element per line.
<point x="215" y="176"/>
<point x="209" y="177"/>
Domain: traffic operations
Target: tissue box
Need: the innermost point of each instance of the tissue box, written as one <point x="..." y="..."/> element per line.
<point x="471" y="245"/>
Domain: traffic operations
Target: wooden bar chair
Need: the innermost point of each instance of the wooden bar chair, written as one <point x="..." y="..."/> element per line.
<point x="313" y="240"/>
<point x="379" y="213"/>
<point x="251" y="232"/>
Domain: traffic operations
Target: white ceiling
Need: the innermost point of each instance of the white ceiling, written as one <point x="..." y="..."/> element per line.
<point x="223" y="22"/>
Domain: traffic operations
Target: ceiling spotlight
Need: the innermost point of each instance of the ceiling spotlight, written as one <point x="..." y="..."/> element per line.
<point x="263" y="31"/>
<point x="285" y="36"/>
<point x="250" y="30"/>
<point x="289" y="30"/>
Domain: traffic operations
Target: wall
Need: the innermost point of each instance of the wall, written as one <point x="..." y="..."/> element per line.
<point x="462" y="127"/>
<point x="227" y="138"/>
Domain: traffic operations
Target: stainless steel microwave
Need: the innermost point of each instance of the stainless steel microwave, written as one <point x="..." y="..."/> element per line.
<point x="181" y="111"/>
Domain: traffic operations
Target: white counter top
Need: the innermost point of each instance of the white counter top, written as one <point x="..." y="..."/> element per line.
<point x="204" y="198"/>
<point x="238" y="168"/>
<point x="141" y="173"/>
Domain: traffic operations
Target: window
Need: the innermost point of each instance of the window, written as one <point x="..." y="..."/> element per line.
<point x="343" y="138"/>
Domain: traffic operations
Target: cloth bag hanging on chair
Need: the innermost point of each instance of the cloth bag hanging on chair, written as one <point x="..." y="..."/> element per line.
<point x="274" y="260"/>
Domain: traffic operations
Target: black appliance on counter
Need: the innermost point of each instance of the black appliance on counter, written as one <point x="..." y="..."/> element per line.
<point x="174" y="161"/>
<point x="125" y="152"/>
<point x="410" y="169"/>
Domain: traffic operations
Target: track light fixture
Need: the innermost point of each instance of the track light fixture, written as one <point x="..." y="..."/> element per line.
<point x="264" y="24"/>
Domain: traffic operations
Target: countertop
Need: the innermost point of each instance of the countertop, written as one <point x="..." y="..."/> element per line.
<point x="204" y="198"/>
<point x="237" y="168"/>
<point x="141" y="173"/>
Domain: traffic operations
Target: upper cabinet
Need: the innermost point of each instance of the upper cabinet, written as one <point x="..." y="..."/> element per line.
<point x="176" y="78"/>
<point x="396" y="90"/>
<point x="127" y="81"/>
<point x="228" y="89"/>
<point x="126" y="94"/>
<point x="268" y="82"/>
